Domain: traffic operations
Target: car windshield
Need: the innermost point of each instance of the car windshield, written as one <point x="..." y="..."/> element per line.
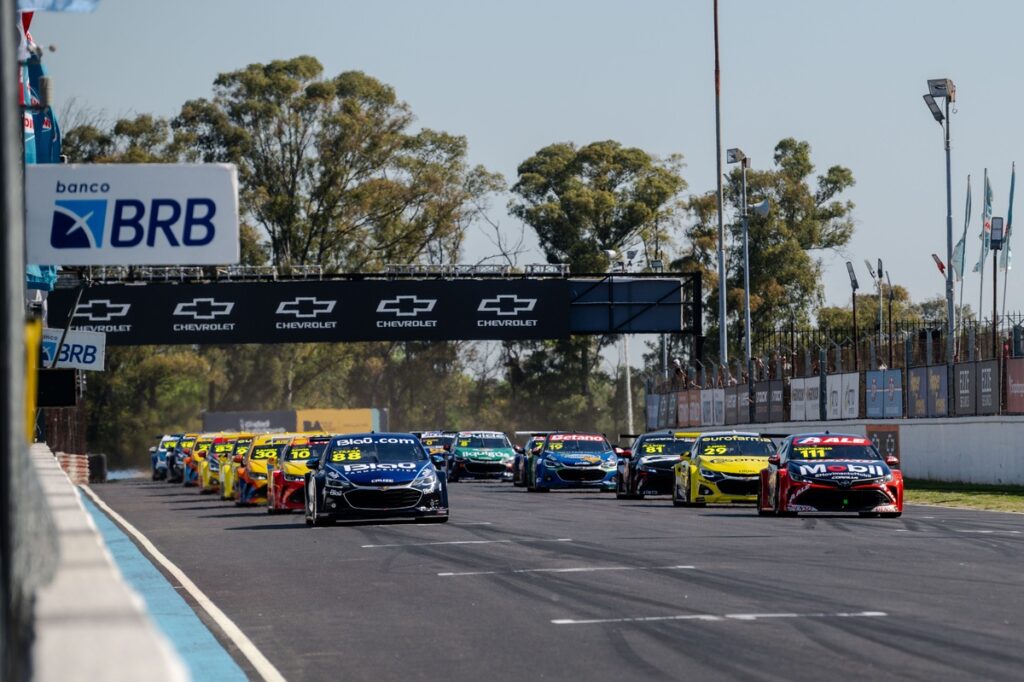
<point x="186" y="444"/>
<point x="386" y="450"/>
<point x="577" y="443"/>
<point x="168" y="443"/>
<point x="224" y="449"/>
<point x="305" y="451"/>
<point x="736" y="445"/>
<point x="664" y="446"/>
<point x="804" y="450"/>
<point x="484" y="441"/>
<point x="266" y="451"/>
<point x="242" y="446"/>
<point x="438" y="441"/>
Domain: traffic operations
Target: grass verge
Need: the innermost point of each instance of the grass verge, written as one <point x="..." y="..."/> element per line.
<point x="973" y="495"/>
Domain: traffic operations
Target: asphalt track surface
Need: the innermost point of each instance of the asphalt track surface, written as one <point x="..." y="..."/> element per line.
<point x="577" y="585"/>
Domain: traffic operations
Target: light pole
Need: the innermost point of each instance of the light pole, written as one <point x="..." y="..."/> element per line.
<point x="735" y="155"/>
<point x="996" y="237"/>
<point x="856" y="339"/>
<point x="944" y="88"/>
<point x="723" y="351"/>
<point x="623" y="266"/>
<point x="889" y="284"/>
<point x="880" y="329"/>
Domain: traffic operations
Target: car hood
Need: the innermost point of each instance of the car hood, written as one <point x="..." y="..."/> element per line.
<point x="580" y="458"/>
<point x="295" y="468"/>
<point x="486" y="455"/>
<point x="838" y="470"/>
<point x="377" y="474"/>
<point x="656" y="459"/>
<point x="733" y="465"/>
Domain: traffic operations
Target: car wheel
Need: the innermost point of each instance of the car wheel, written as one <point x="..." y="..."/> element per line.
<point x="677" y="500"/>
<point x="620" y="491"/>
<point x="760" y="504"/>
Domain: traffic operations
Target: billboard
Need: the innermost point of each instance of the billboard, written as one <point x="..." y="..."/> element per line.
<point x="874" y="392"/>
<point x="267" y="421"/>
<point x="892" y="396"/>
<point x="776" y="401"/>
<point x="762" y="401"/>
<point x="988" y="387"/>
<point x="131" y="214"/>
<point x="696" y="408"/>
<point x="938" y="391"/>
<point x="1015" y="385"/>
<point x="80" y="350"/>
<point x="707" y="408"/>
<point x="812" y="398"/>
<point x="797" y="404"/>
<point x="917" y="392"/>
<point x="731" y="398"/>
<point x="886" y="438"/>
<point x="338" y="420"/>
<point x="834" y="396"/>
<point x="652" y="411"/>
<point x="965" y="388"/>
<point x="851" y="395"/>
<point x="718" y="406"/>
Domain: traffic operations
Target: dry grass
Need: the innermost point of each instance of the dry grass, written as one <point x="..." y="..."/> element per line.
<point x="972" y="495"/>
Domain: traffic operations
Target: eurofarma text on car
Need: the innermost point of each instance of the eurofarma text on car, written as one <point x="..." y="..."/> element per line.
<point x="481" y="454"/>
<point x="571" y="460"/>
<point x="375" y="475"/>
<point x="648" y="466"/>
<point x="721" y="467"/>
<point x="822" y="472"/>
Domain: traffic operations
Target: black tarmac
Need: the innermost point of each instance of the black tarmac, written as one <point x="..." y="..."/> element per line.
<point x="579" y="586"/>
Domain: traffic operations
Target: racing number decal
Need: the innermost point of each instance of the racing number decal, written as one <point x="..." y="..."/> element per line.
<point x="812" y="453"/>
<point x="263" y="453"/>
<point x="463" y="443"/>
<point x="346" y="455"/>
<point x="301" y="453"/>
<point x="653" y="449"/>
<point x="715" y="450"/>
<point x="555" y="446"/>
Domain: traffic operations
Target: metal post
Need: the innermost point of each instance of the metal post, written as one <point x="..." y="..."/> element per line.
<point x="723" y="352"/>
<point x="746" y="286"/>
<point x="629" y="386"/>
<point x="995" y="300"/>
<point x="856" y="338"/>
<point x="950" y="310"/>
<point x="890" y="327"/>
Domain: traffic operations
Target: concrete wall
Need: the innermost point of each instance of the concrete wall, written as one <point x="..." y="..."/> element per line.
<point x="961" y="449"/>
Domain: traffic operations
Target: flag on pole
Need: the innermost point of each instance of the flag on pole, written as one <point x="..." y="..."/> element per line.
<point x="1007" y="258"/>
<point x="986" y="225"/>
<point x="960" y="250"/>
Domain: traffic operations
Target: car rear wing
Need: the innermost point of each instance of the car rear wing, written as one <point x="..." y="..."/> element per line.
<point x="628" y="436"/>
<point x="774" y="436"/>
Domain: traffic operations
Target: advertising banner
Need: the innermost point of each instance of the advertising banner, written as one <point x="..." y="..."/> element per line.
<point x="707" y="408"/>
<point x="652" y="411"/>
<point x="81" y="350"/>
<point x="988" y="387"/>
<point x="731" y="413"/>
<point x="131" y="214"/>
<point x="271" y="421"/>
<point x="1015" y="385"/>
<point x="834" y="396"/>
<point x="874" y="392"/>
<point x="762" y="401"/>
<point x="319" y="311"/>
<point x="965" y="380"/>
<point x="696" y="408"/>
<point x="938" y="391"/>
<point x="776" y="401"/>
<point x="338" y="420"/>
<point x="851" y="395"/>
<point x="812" y="398"/>
<point x="682" y="408"/>
<point x="718" y="405"/>
<point x="797" y="406"/>
<point x="886" y="438"/>
<point x="665" y="411"/>
<point x="917" y="392"/>
<point x="893" y="395"/>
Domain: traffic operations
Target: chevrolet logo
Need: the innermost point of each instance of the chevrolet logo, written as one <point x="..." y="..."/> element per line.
<point x="304" y="307"/>
<point x="101" y="310"/>
<point x="505" y="305"/>
<point x="406" y="306"/>
<point x="204" y="308"/>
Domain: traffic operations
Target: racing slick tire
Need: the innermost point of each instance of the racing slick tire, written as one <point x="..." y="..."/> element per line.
<point x="621" y="494"/>
<point x="537" y="489"/>
<point x="312" y="519"/>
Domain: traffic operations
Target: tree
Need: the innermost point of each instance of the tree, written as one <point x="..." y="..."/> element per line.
<point x="785" y="279"/>
<point x="582" y="201"/>
<point x="330" y="169"/>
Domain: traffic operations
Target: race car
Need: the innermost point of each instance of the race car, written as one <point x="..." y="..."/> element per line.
<point x="376" y="475"/>
<point x="286" y="484"/>
<point x="251" y="481"/>
<point x="481" y="454"/>
<point x="229" y="466"/>
<point x="647" y="468"/>
<point x="209" y="467"/>
<point x="199" y="450"/>
<point x="523" y="454"/>
<point x="160" y="454"/>
<point x="571" y="460"/>
<point x="827" y="472"/>
<point x="436" y="442"/>
<point x="176" y="458"/>
<point x="721" y="467"/>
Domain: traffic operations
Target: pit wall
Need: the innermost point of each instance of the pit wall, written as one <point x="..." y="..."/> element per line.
<point x="961" y="450"/>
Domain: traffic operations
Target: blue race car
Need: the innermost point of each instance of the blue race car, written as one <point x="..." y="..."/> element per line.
<point x="158" y="455"/>
<point x="572" y="460"/>
<point x="373" y="475"/>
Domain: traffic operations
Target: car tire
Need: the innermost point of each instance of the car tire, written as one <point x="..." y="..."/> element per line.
<point x="760" y="504"/>
<point x="620" y="493"/>
<point x="433" y="519"/>
<point x="677" y="501"/>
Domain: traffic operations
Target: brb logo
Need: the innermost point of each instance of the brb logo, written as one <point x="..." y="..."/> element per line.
<point x="83" y="224"/>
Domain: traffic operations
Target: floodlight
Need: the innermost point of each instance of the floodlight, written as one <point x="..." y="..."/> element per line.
<point x="936" y="111"/>
<point x="853" y="277"/>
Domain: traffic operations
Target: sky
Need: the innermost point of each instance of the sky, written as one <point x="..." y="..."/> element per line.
<point x="847" y="77"/>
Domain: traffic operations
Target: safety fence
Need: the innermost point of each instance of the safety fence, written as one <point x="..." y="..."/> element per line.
<point x="971" y="388"/>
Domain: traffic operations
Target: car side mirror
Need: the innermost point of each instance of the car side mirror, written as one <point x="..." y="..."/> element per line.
<point x="774" y="460"/>
<point x="447" y="448"/>
<point x="312" y="464"/>
<point x="152" y="448"/>
<point x="438" y="460"/>
<point x="893" y="461"/>
<point x="518" y="448"/>
<point x="237" y="459"/>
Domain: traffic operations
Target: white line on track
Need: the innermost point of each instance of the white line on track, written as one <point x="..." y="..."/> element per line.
<point x="723" y="617"/>
<point x="987" y="532"/>
<point x="259" y="662"/>
<point x="465" y="542"/>
<point x="577" y="569"/>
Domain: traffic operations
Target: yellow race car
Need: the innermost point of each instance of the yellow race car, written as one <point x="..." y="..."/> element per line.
<point x="198" y="454"/>
<point x="251" y="481"/>
<point x="229" y="467"/>
<point x="721" y="467"/>
<point x="209" y="467"/>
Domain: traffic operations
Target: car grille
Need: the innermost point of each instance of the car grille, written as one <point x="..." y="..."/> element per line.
<point x="832" y="500"/>
<point x="665" y="466"/>
<point x="485" y="467"/>
<point x="397" y="498"/>
<point x="736" y="486"/>
<point x="573" y="475"/>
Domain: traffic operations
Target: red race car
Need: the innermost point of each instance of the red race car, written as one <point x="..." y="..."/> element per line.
<point x="286" y="489"/>
<point x="825" y="472"/>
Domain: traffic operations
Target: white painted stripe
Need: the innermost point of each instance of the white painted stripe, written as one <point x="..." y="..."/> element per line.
<point x="473" y="523"/>
<point x="989" y="532"/>
<point x="259" y="662"/>
<point x="465" y="542"/>
<point x="578" y="569"/>
<point x="723" y="617"/>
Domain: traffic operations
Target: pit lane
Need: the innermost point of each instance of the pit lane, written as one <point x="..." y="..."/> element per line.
<point x="574" y="585"/>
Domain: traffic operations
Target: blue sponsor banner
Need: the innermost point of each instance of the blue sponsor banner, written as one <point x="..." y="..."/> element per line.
<point x="874" y="394"/>
<point x="917" y="393"/>
<point x="938" y="391"/>
<point x="892" y="393"/>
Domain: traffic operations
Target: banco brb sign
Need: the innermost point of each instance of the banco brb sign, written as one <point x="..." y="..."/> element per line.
<point x="132" y="214"/>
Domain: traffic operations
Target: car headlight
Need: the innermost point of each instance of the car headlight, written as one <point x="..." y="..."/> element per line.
<point x="610" y="464"/>
<point x="426" y="481"/>
<point x="340" y="482"/>
<point x="709" y="475"/>
<point x="551" y="462"/>
<point x="794" y="475"/>
<point x="292" y="477"/>
<point x="256" y="476"/>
